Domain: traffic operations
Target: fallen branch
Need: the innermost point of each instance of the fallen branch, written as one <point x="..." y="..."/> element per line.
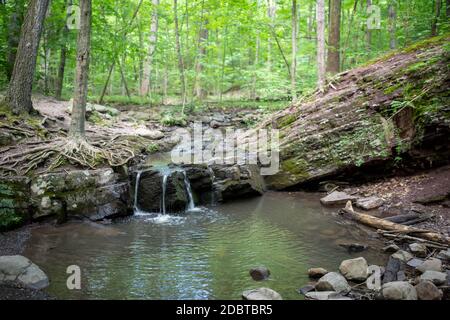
<point x="382" y="224"/>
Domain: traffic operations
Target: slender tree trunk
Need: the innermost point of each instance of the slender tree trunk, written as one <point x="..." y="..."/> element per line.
<point x="368" y="32"/>
<point x="294" y="50"/>
<point x="448" y="9"/>
<point x="321" y="44"/>
<point x="180" y="56"/>
<point x="145" y="87"/>
<point x="350" y="28"/>
<point x="392" y="26"/>
<point x="199" y="92"/>
<point x="62" y="59"/>
<point x="14" y="25"/>
<point x="271" y="13"/>
<point x="334" y="38"/>
<point x="18" y="96"/>
<point x="77" y="124"/>
<point x="434" y="25"/>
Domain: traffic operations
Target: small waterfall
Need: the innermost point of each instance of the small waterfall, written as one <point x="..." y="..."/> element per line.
<point x="136" y="191"/>
<point x="191" y="204"/>
<point x="163" y="199"/>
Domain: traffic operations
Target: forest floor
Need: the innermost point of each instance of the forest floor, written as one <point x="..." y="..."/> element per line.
<point x="427" y="192"/>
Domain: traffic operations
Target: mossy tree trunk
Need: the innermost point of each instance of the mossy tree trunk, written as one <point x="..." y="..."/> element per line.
<point x="77" y="125"/>
<point x="18" y="96"/>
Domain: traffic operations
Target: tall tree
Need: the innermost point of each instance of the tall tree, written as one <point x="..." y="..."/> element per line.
<point x="200" y="93"/>
<point x="392" y="25"/>
<point x="437" y="13"/>
<point x="179" y="55"/>
<point x="77" y="124"/>
<point x="18" y="96"/>
<point x="334" y="38"/>
<point x="271" y="13"/>
<point x="145" y="86"/>
<point x="294" y="50"/>
<point x="320" y="13"/>
<point x="14" y="25"/>
<point x="63" y="56"/>
<point x="448" y="9"/>
<point x="368" y="30"/>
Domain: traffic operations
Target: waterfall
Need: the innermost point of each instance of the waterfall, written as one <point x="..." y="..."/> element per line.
<point x="191" y="204"/>
<point x="163" y="199"/>
<point x="136" y="191"/>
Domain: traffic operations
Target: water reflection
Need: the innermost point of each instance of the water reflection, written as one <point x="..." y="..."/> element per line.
<point x="202" y="255"/>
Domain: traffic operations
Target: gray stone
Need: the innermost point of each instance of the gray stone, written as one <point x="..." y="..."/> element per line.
<point x="354" y="247"/>
<point x="418" y="249"/>
<point x="261" y="294"/>
<point x="401" y="276"/>
<point x="337" y="198"/>
<point x="317" y="272"/>
<point x="438" y="278"/>
<point x="426" y="290"/>
<point x="325" y="295"/>
<point x="403" y="256"/>
<point x="260" y="273"/>
<point x="308" y="288"/>
<point x="398" y="290"/>
<point x="369" y="203"/>
<point x="333" y="281"/>
<point x="444" y="255"/>
<point x="22" y="270"/>
<point x="414" y="263"/>
<point x="431" y="264"/>
<point x="354" y="269"/>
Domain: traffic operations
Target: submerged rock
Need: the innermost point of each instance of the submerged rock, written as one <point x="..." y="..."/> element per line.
<point x="326" y="295"/>
<point x="261" y="294"/>
<point x="354" y="269"/>
<point x="333" y="281"/>
<point x="317" y="272"/>
<point x="337" y="198"/>
<point x="22" y="270"/>
<point x="398" y="290"/>
<point x="260" y="273"/>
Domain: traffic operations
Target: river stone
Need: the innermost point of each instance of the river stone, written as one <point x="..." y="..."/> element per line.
<point x="325" y="295"/>
<point x="354" y="269"/>
<point x="418" y="249"/>
<point x="354" y="247"/>
<point x="337" y="198"/>
<point x="333" y="281"/>
<point x="403" y="256"/>
<point x="260" y="273"/>
<point x="317" y="272"/>
<point x="444" y="255"/>
<point x="391" y="248"/>
<point x="438" y="278"/>
<point x="369" y="203"/>
<point x="22" y="270"/>
<point x="398" y="290"/>
<point x="426" y="290"/>
<point x="414" y="263"/>
<point x="431" y="264"/>
<point x="308" y="288"/>
<point x="261" y="294"/>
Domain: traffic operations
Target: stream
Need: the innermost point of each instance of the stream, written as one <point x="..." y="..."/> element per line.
<point x="203" y="254"/>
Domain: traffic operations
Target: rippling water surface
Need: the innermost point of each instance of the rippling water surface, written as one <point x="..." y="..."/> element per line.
<point x="205" y="254"/>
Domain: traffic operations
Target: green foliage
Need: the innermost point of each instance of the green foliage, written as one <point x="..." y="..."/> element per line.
<point x="170" y="119"/>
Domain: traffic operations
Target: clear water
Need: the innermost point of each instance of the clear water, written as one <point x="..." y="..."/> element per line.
<point x="204" y="254"/>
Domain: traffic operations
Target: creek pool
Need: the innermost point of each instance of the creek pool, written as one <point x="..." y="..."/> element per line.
<point x="204" y="254"/>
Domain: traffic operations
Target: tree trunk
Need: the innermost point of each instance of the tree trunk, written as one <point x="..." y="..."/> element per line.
<point x="294" y="51"/>
<point x="434" y="25"/>
<point x="14" y="25"/>
<point x="392" y="26"/>
<point x="180" y="56"/>
<point x="334" y="38"/>
<point x="77" y="124"/>
<point x="368" y="31"/>
<point x="271" y="13"/>
<point x="145" y="87"/>
<point x="321" y="44"/>
<point x="199" y="92"/>
<point x="18" y="96"/>
<point x="62" y="59"/>
<point x="448" y="9"/>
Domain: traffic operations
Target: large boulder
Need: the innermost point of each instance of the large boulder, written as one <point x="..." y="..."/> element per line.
<point x="438" y="278"/>
<point x="333" y="281"/>
<point x="354" y="269"/>
<point x="20" y="269"/>
<point x="316" y="273"/>
<point x="352" y="129"/>
<point x="14" y="202"/>
<point x="261" y="294"/>
<point x="418" y="249"/>
<point x="398" y="290"/>
<point x="432" y="264"/>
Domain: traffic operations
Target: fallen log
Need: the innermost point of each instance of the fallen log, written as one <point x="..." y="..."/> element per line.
<point x="383" y="224"/>
<point x="396" y="236"/>
<point x="403" y="217"/>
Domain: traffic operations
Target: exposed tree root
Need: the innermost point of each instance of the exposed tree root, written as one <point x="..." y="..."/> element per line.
<point x="23" y="158"/>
